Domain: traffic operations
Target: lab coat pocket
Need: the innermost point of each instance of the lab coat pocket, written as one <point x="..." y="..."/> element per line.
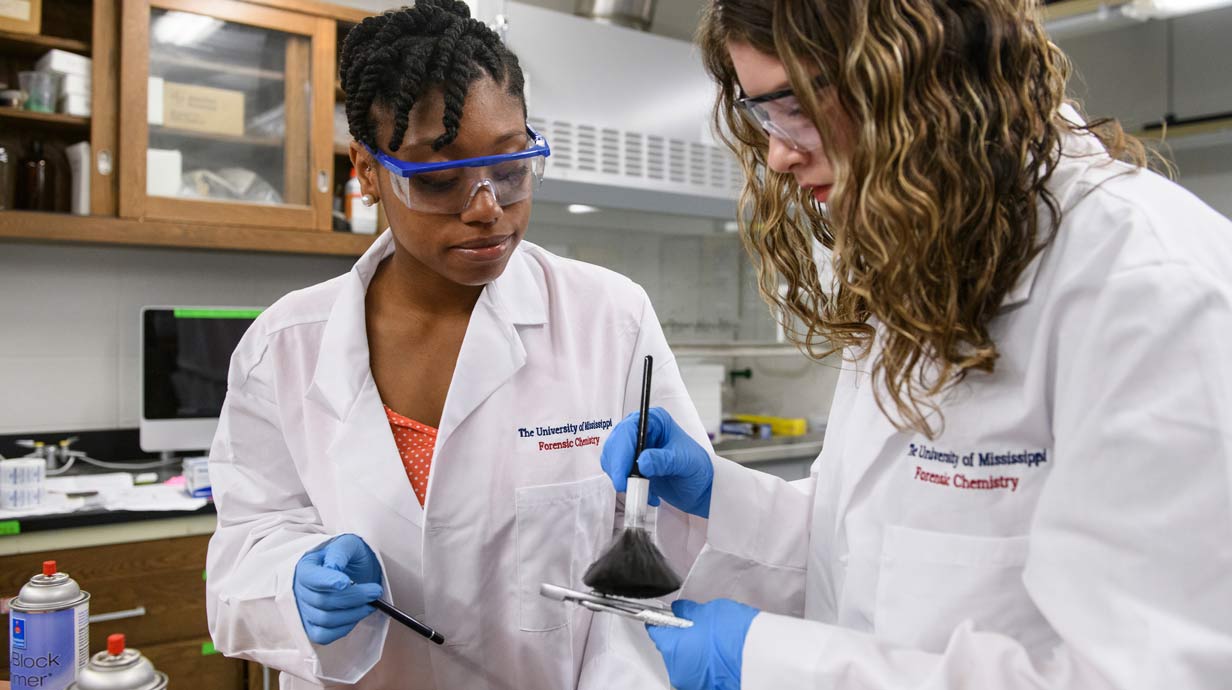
<point x="932" y="582"/>
<point x="560" y="531"/>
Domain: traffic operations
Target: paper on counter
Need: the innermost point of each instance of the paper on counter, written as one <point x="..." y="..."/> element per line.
<point x="115" y="492"/>
<point x="152" y="498"/>
<point x="80" y="483"/>
<point x="52" y="503"/>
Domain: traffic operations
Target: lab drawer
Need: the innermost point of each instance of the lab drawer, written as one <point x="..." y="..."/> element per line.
<point x="155" y="589"/>
<point x="255" y="679"/>
<point x="187" y="668"/>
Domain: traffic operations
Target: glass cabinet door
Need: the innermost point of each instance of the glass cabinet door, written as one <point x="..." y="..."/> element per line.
<point x="228" y="118"/>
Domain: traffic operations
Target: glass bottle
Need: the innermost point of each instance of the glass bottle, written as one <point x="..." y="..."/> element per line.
<point x="34" y="183"/>
<point x="6" y="180"/>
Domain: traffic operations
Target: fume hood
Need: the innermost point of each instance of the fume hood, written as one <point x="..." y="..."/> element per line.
<point x="627" y="114"/>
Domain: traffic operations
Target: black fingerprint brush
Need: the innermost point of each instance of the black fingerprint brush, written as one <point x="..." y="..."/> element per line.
<point x="633" y="566"/>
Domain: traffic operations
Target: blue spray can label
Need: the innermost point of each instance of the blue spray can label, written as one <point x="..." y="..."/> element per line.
<point x="49" y="632"/>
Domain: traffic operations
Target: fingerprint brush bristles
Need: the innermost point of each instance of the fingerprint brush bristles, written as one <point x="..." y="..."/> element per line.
<point x="634" y="568"/>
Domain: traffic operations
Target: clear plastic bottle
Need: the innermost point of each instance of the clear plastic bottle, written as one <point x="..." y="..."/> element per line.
<point x="362" y="218"/>
<point x="350" y="196"/>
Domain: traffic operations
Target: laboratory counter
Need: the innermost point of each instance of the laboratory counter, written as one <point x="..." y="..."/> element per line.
<point x="145" y="570"/>
<point x="146" y="579"/>
<point x="99" y="527"/>
<point x="94" y="526"/>
<point x="749" y="451"/>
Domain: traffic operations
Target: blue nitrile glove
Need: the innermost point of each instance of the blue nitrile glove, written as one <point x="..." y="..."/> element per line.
<point x="708" y="655"/>
<point x="679" y="470"/>
<point x="333" y="586"/>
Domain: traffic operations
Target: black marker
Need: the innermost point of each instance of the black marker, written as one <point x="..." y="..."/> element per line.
<point x="408" y="621"/>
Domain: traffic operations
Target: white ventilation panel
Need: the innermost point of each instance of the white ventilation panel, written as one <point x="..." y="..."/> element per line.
<point x="587" y="153"/>
<point x="627" y="115"/>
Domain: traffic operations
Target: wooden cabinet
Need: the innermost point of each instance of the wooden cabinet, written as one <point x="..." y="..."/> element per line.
<point x="211" y="126"/>
<point x="20" y="130"/>
<point x="241" y="114"/>
<point x="157" y="590"/>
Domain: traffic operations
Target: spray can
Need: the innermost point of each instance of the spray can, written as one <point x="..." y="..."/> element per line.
<point x="119" y="668"/>
<point x="49" y="631"/>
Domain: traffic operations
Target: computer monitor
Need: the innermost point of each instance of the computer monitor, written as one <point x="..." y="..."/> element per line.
<point x="185" y="354"/>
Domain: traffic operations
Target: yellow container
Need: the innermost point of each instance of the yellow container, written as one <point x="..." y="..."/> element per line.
<point x="779" y="426"/>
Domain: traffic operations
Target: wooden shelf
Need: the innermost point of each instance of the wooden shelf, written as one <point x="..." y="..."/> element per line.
<point x="1073" y="8"/>
<point x="263" y="142"/>
<point x="62" y="228"/>
<point x="215" y="66"/>
<point x="1183" y="131"/>
<point x="322" y="9"/>
<point x="46" y="120"/>
<point x="34" y="45"/>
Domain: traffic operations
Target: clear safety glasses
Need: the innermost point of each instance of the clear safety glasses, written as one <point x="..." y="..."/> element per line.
<point x="779" y="115"/>
<point x="448" y="187"/>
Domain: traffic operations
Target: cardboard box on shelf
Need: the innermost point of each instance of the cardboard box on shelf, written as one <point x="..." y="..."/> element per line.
<point x="203" y="109"/>
<point x="79" y="163"/>
<point x="64" y="62"/>
<point x="21" y="16"/>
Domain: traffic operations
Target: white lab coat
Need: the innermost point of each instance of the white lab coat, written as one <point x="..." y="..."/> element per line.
<point x="977" y="561"/>
<point x="304" y="452"/>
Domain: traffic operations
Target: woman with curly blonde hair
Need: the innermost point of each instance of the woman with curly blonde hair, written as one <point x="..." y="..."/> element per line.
<point x="1027" y="473"/>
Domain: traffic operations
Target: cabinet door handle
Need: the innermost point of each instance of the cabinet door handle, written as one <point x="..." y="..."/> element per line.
<point x="118" y="615"/>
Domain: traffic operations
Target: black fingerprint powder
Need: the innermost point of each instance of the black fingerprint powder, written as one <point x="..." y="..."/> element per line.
<point x="634" y="568"/>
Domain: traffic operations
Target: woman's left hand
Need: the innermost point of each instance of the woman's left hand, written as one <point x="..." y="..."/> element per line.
<point x="708" y="655"/>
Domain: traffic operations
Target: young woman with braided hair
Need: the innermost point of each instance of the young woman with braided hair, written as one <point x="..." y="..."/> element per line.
<point x="1027" y="475"/>
<point x="426" y="429"/>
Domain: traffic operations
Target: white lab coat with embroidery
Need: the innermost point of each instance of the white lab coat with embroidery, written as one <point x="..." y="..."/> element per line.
<point x="304" y="452"/>
<point x="904" y="563"/>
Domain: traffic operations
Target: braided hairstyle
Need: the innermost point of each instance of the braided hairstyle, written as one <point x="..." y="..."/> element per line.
<point x="392" y="59"/>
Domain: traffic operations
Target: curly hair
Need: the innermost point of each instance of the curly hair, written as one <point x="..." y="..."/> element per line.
<point x="392" y="59"/>
<point x="940" y="177"/>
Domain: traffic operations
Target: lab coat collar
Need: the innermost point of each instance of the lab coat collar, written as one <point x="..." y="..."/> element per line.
<point x="493" y="351"/>
<point x="520" y="293"/>
<point x="1079" y="151"/>
<point x="362" y="446"/>
<point x="1021" y="290"/>
<point x="517" y="297"/>
<point x="342" y="362"/>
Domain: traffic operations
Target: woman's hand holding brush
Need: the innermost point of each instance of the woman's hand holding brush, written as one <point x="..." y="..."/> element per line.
<point x="679" y="470"/>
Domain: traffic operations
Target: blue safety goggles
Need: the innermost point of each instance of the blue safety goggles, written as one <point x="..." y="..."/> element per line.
<point x="448" y="187"/>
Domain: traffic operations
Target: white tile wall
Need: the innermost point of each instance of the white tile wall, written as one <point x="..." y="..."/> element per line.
<point x="69" y="335"/>
<point x="49" y="393"/>
<point x="786" y="387"/>
<point x="1125" y="74"/>
<point x="69" y="315"/>
<point x="1207" y="172"/>
<point x="694" y="273"/>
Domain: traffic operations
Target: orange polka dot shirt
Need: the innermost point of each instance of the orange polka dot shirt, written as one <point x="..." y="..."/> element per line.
<point x="415" y="443"/>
